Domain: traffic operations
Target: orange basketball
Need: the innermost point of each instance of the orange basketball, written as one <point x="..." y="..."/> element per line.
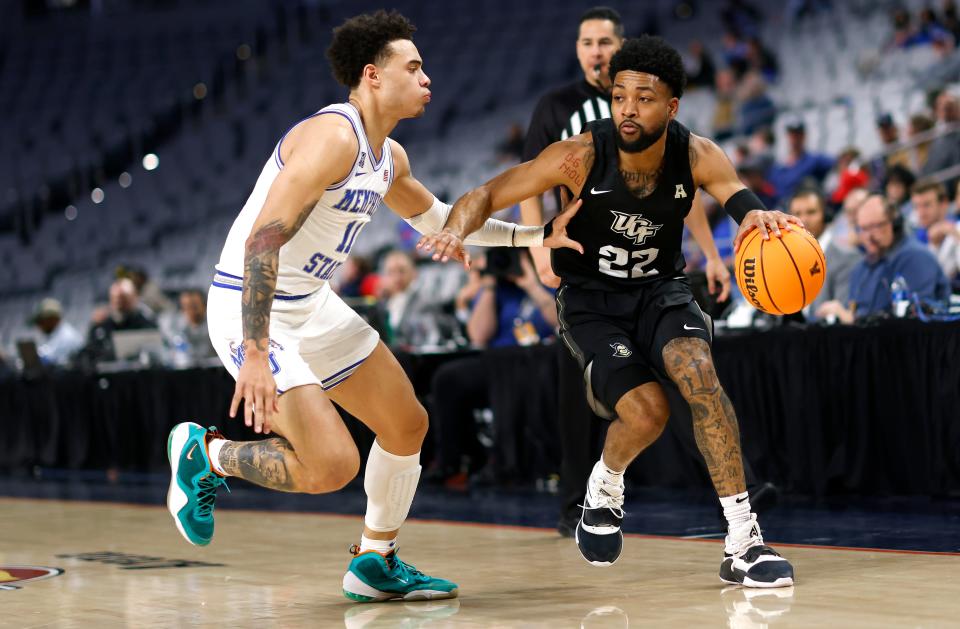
<point x="781" y="275"/>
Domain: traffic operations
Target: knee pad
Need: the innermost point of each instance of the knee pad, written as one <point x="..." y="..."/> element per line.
<point x="390" y="482"/>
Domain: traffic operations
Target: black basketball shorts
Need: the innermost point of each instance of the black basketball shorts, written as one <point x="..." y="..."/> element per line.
<point x="618" y="337"/>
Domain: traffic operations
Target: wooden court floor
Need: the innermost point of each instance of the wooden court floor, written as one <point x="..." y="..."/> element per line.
<point x="126" y="566"/>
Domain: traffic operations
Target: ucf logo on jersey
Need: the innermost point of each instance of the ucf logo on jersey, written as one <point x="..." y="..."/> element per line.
<point x="633" y="226"/>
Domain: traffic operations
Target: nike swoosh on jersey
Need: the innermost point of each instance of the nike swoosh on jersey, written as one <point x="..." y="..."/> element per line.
<point x="687" y="327"/>
<point x="594" y="190"/>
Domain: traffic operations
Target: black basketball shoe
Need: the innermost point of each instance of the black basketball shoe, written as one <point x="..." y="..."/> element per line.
<point x="598" y="535"/>
<point x="752" y="563"/>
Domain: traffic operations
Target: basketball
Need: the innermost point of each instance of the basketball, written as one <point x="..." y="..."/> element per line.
<point x="781" y="275"/>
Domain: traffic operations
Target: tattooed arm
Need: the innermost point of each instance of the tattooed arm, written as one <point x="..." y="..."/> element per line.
<point x="713" y="172"/>
<point x="316" y="154"/>
<point x="566" y="163"/>
<point x="690" y="365"/>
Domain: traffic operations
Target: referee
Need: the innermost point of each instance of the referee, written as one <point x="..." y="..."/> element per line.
<point x="560" y="114"/>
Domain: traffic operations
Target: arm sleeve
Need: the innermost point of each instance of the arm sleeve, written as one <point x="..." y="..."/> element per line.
<point x="494" y="233"/>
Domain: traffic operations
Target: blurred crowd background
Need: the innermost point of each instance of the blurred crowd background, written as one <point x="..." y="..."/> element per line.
<point x="135" y="129"/>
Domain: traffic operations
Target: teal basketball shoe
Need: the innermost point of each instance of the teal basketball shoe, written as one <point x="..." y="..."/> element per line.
<point x="373" y="577"/>
<point x="193" y="483"/>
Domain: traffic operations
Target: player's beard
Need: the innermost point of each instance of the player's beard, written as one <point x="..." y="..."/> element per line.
<point x="642" y="143"/>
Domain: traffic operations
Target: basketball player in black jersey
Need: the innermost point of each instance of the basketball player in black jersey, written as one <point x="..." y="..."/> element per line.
<point x="626" y="311"/>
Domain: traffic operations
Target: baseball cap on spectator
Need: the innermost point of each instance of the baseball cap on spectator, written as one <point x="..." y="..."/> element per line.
<point x="796" y="125"/>
<point x="48" y="307"/>
<point x="885" y="120"/>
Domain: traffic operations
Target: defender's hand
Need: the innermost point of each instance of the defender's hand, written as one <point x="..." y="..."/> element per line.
<point x="767" y="221"/>
<point x="559" y="237"/>
<point x="446" y="246"/>
<point x="718" y="279"/>
<point x="258" y="389"/>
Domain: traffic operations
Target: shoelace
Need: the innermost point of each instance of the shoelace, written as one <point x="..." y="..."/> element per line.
<point x="606" y="496"/>
<point x="207" y="494"/>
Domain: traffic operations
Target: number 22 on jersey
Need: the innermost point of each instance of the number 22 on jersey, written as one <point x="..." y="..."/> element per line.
<point x="613" y="261"/>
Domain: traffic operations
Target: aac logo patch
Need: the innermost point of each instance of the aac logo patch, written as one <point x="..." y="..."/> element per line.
<point x="12" y="577"/>
<point x="620" y="350"/>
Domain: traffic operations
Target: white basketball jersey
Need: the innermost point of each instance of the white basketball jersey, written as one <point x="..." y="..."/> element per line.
<point x="324" y="241"/>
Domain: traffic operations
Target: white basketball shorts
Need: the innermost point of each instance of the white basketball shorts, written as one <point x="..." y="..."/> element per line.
<point x="314" y="339"/>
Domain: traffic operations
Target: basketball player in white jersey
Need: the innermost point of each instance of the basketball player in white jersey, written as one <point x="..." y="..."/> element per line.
<point x="294" y="347"/>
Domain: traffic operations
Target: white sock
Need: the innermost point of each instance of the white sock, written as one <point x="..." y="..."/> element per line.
<point x="382" y="546"/>
<point x="603" y="473"/>
<point x="737" y="511"/>
<point x="213" y="450"/>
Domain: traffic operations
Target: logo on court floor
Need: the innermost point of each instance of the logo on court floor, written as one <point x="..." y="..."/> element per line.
<point x="12" y="577"/>
<point x="620" y="350"/>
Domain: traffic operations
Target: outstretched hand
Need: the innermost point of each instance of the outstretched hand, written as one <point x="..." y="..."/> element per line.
<point x="558" y="238"/>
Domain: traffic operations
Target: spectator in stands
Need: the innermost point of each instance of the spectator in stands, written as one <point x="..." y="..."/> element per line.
<point x="842" y="228"/>
<point x="763" y="60"/>
<point x="123" y="313"/>
<point x="950" y="19"/>
<point x="751" y="171"/>
<point x="151" y="297"/>
<point x="848" y="174"/>
<point x="934" y="228"/>
<point x="60" y="339"/>
<point x="808" y="205"/>
<point x="756" y="110"/>
<point x="761" y="148"/>
<point x="506" y="310"/>
<point x="701" y="72"/>
<point x="896" y="188"/>
<point x="889" y="138"/>
<point x="734" y="54"/>
<point x="919" y="124"/>
<point x="945" y="150"/>
<point x="356" y="278"/>
<point x="800" y="163"/>
<point x="890" y="252"/>
<point x="725" y="110"/>
<point x="189" y="330"/>
<point x="413" y="316"/>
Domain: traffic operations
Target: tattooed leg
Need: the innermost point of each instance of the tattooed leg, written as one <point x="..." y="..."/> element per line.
<point x="268" y="463"/>
<point x="273" y="463"/>
<point x="690" y="365"/>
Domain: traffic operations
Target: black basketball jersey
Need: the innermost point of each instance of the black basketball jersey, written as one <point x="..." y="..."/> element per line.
<point x="628" y="241"/>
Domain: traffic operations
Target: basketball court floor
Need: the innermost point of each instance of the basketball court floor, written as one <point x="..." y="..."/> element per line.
<point x="124" y="564"/>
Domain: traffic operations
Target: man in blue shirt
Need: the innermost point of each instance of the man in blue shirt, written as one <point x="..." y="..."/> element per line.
<point x="800" y="164"/>
<point x="889" y="253"/>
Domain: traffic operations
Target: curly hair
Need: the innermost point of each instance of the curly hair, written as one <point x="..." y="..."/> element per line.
<point x="653" y="56"/>
<point x="364" y="39"/>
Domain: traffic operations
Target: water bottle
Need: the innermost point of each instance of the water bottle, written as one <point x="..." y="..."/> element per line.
<point x="899" y="296"/>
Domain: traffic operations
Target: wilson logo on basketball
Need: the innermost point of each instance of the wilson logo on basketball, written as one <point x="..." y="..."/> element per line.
<point x="815" y="269"/>
<point x="749" y="281"/>
<point x="633" y="226"/>
<point x="12" y="577"/>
